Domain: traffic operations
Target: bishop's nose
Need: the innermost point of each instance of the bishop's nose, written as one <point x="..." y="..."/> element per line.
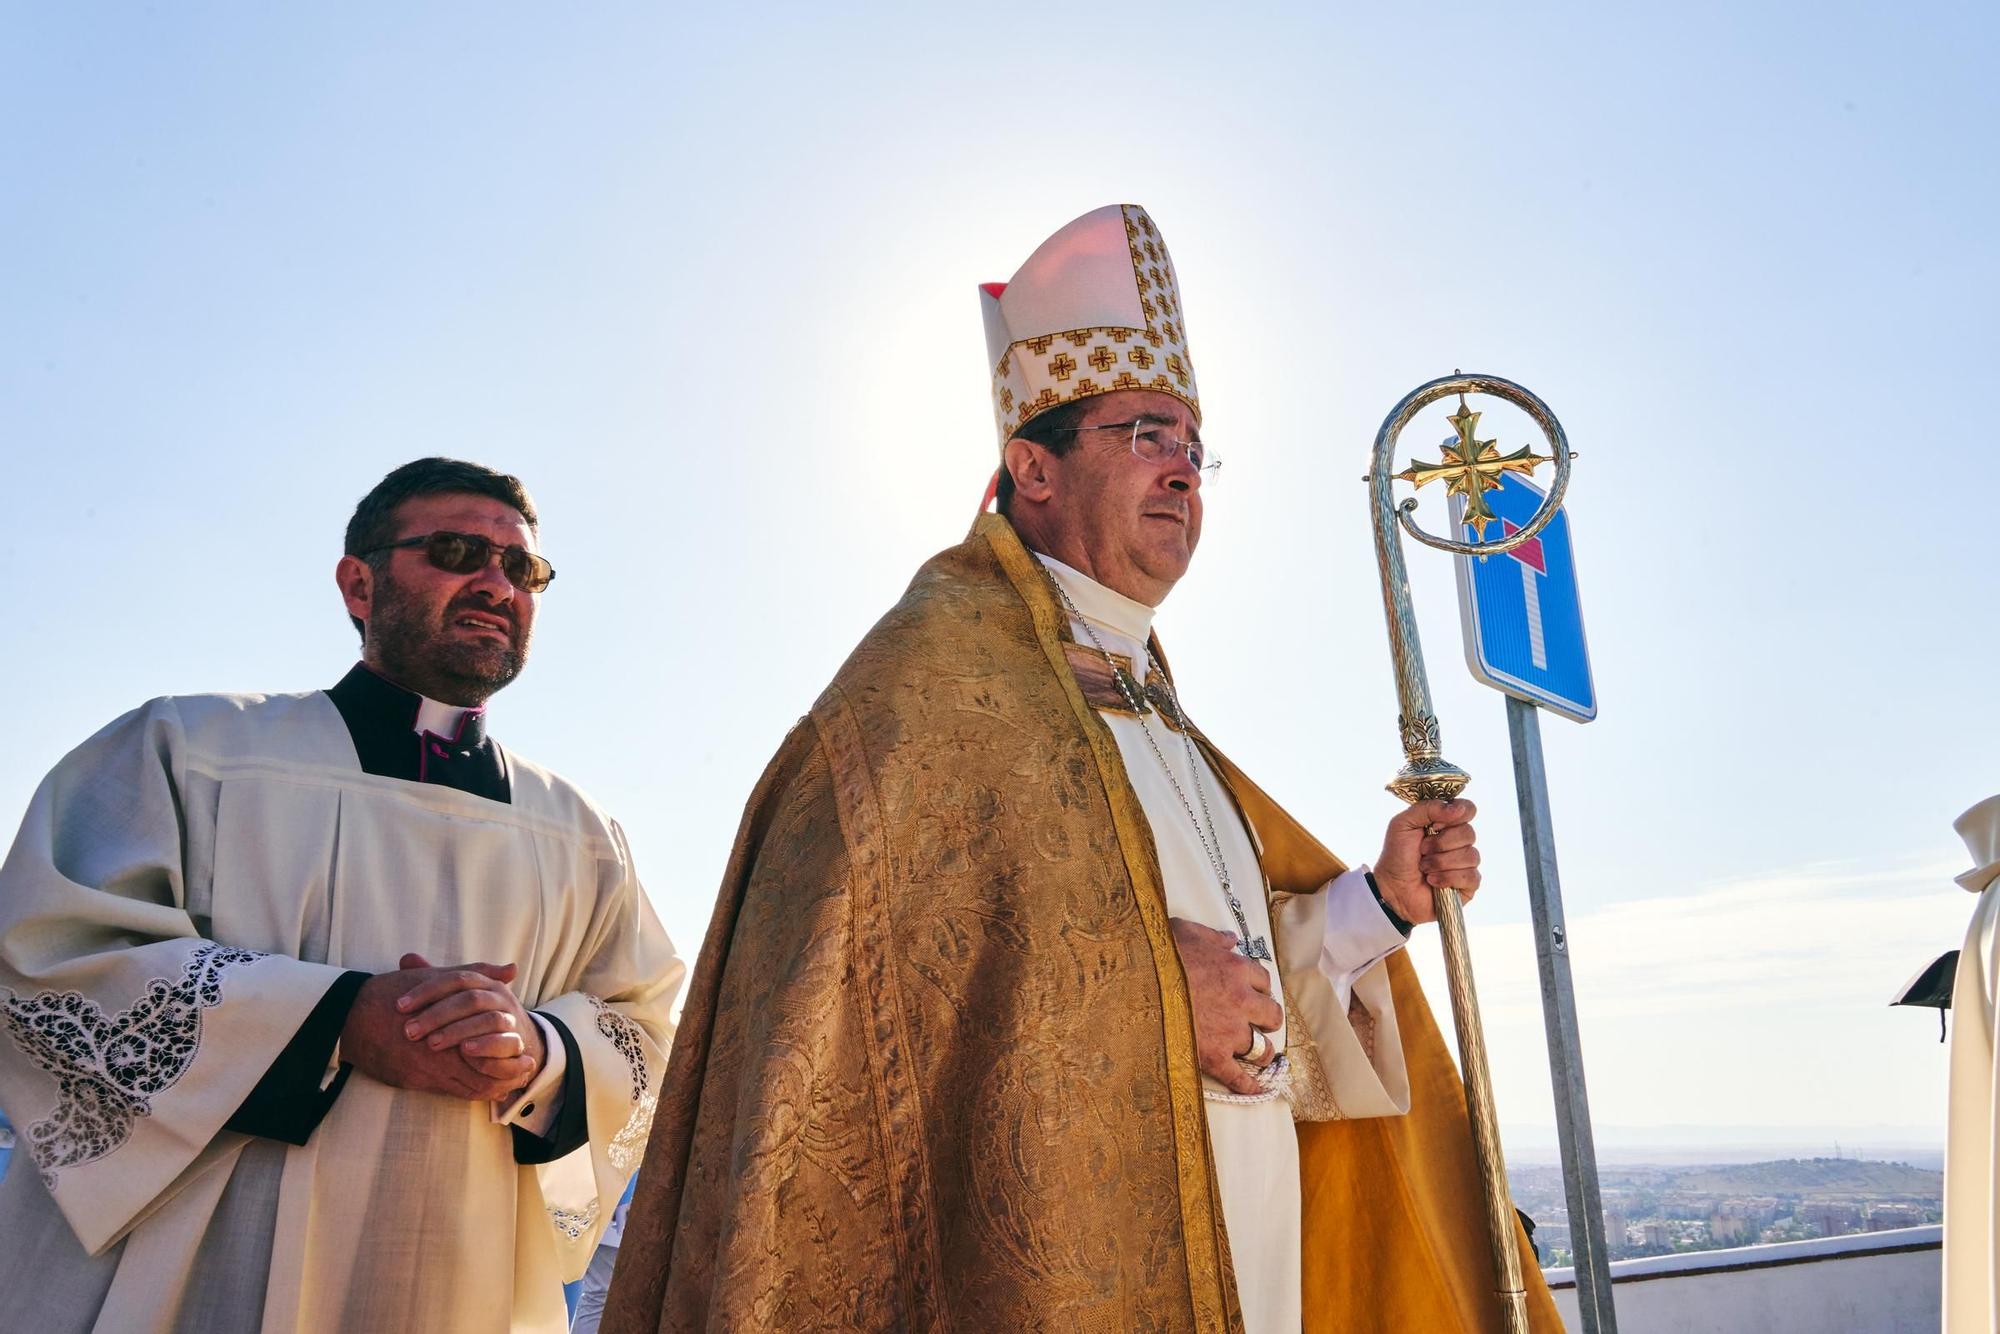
<point x="1182" y="475"/>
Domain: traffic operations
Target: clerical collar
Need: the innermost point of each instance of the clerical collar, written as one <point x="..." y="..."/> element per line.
<point x="398" y="733"/>
<point x="1103" y="606"/>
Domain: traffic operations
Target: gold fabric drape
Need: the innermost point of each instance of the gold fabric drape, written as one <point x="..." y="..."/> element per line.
<point x="936" y="1068"/>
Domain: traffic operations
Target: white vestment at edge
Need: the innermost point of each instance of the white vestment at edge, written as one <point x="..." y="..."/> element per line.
<point x="1971" y="1188"/>
<point x="186" y="886"/>
<point x="1340" y="931"/>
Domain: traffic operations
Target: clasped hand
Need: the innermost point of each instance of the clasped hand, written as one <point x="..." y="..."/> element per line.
<point x="457" y="1031"/>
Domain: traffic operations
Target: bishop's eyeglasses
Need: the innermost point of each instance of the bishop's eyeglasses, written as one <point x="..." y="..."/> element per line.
<point x="1153" y="440"/>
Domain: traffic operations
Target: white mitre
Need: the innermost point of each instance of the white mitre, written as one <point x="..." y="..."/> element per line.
<point x="1095" y="309"/>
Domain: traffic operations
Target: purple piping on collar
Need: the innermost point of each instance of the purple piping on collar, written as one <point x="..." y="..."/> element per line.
<point x="477" y="710"/>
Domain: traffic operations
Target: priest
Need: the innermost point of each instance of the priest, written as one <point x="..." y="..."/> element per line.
<point x="326" y="1011"/>
<point x="1022" y="1006"/>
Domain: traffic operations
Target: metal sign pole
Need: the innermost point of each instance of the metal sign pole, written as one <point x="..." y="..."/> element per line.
<point x="1579" y="1151"/>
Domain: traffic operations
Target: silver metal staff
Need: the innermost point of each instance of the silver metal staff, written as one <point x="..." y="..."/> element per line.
<point x="1470" y="468"/>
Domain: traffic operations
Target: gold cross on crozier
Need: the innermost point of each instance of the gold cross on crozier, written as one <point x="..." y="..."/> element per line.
<point x="1471" y="468"/>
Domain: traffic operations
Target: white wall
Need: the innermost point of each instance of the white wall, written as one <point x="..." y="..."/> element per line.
<point x="1836" y="1291"/>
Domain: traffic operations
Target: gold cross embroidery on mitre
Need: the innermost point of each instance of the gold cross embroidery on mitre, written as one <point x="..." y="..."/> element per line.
<point x="1471" y="468"/>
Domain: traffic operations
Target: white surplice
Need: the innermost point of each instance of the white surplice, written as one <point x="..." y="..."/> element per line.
<point x="185" y="887"/>
<point x="1340" y="934"/>
<point x="1971" y="1183"/>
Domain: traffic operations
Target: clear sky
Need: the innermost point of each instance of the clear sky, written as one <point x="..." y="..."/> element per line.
<point x="707" y="281"/>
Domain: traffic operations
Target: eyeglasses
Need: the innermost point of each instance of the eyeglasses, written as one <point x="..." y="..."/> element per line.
<point x="1153" y="441"/>
<point x="466" y="553"/>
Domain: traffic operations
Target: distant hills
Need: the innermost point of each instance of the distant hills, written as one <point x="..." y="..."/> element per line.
<point x="1693" y="1146"/>
<point x="1797" y="1178"/>
<point x="1846" y="1177"/>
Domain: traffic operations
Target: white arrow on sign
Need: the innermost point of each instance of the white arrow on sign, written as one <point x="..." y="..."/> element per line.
<point x="1533" y="563"/>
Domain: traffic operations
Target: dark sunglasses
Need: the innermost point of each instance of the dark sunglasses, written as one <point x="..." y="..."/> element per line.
<point x="466" y="553"/>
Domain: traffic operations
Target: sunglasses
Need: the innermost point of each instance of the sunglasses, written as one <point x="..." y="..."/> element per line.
<point x="467" y="553"/>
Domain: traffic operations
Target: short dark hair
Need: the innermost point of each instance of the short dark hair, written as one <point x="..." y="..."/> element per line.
<point x="1054" y="430"/>
<point x="374" y="521"/>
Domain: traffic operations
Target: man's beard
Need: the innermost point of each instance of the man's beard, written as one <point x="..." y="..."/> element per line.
<point x="423" y="656"/>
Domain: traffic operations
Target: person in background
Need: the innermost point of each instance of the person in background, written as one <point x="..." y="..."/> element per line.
<point x="597" y="1279"/>
<point x="1971" y="1169"/>
<point x="326" y="1011"/>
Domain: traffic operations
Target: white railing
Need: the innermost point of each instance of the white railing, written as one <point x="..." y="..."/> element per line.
<point x="1867" y="1283"/>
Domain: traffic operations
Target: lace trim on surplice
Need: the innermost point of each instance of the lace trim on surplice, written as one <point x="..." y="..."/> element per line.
<point x="622" y="1033"/>
<point x="108" y="1068"/>
<point x="572" y="1222"/>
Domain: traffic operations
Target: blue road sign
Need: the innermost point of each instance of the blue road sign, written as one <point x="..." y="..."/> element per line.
<point x="1523" y="618"/>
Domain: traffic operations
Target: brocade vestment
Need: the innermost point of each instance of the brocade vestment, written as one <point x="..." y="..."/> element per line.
<point x="187" y="889"/>
<point x="936" y="1067"/>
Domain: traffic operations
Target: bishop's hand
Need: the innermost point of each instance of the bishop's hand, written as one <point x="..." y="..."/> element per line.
<point x="1428" y="846"/>
<point x="1230" y="996"/>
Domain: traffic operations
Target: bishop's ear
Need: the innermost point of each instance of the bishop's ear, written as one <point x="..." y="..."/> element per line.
<point x="1030" y="465"/>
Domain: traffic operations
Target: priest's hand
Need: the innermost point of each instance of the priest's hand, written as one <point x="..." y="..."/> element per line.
<point x="375" y="1042"/>
<point x="471" y="1008"/>
<point x="1428" y="845"/>
<point x="1230" y="995"/>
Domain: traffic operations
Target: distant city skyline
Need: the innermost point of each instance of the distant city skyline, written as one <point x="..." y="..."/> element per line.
<point x="1677" y="1209"/>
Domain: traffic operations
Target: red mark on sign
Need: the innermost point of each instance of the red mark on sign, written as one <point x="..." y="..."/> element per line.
<point x="1529" y="553"/>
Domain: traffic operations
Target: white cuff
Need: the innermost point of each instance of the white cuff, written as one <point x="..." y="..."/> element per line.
<point x="1359" y="934"/>
<point x="535" y="1108"/>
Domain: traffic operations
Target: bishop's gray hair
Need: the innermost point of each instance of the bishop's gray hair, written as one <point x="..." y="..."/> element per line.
<point x="1054" y="430"/>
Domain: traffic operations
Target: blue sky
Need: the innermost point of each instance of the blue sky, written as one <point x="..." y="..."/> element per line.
<point x="706" y="280"/>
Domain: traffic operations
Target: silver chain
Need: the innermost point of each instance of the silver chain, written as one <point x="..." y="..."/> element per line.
<point x="1254" y="947"/>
